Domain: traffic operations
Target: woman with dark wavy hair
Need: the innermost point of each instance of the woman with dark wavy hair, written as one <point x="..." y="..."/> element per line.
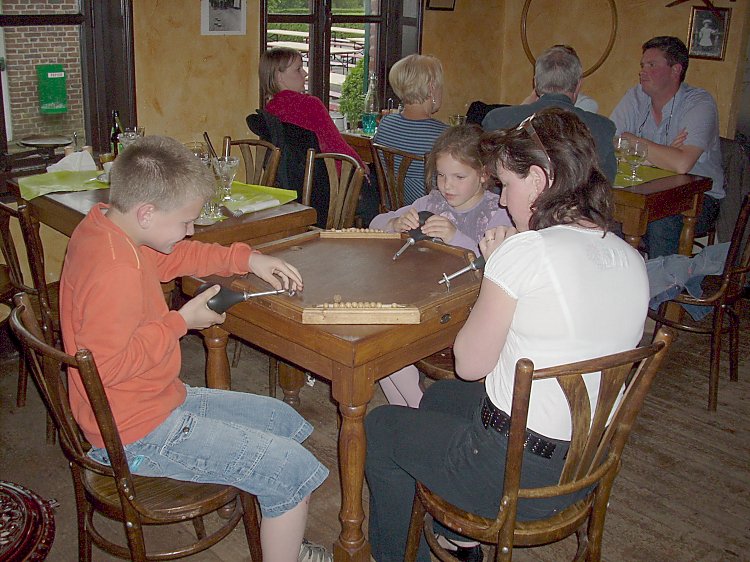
<point x="558" y="287"/>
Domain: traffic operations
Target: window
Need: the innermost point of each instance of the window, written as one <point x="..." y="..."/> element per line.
<point x="336" y="36"/>
<point x="90" y="41"/>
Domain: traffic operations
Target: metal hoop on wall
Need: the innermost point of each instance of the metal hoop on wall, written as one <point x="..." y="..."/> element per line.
<point x="597" y="64"/>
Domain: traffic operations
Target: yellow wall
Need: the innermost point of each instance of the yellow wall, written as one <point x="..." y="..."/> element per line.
<point x="187" y="83"/>
<point x="495" y="33"/>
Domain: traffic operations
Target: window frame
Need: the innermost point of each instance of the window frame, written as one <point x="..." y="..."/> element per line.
<point x="390" y="20"/>
<point x="107" y="57"/>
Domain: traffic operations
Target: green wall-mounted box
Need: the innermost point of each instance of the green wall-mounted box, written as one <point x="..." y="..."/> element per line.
<point x="53" y="95"/>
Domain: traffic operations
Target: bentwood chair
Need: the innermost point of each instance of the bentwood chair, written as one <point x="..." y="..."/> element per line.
<point x="721" y="293"/>
<point x="43" y="296"/>
<point x="391" y="166"/>
<point x="261" y="160"/>
<point x="345" y="176"/>
<point x="112" y="492"/>
<point x="592" y="462"/>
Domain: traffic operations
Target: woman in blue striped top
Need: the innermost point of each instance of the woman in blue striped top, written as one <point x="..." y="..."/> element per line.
<point x="418" y="81"/>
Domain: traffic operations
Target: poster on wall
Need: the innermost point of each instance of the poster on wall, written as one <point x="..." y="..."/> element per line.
<point x="223" y="17"/>
<point x="708" y="32"/>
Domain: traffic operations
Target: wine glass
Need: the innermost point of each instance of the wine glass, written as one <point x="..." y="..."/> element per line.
<point x="622" y="145"/>
<point x="210" y="213"/>
<point x="225" y="168"/>
<point x="635" y="156"/>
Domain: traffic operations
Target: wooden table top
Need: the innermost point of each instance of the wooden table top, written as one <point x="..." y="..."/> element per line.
<point x="63" y="212"/>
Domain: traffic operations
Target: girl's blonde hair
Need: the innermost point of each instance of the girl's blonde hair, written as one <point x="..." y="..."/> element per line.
<point x="414" y="76"/>
<point x="274" y="60"/>
<point x="461" y="143"/>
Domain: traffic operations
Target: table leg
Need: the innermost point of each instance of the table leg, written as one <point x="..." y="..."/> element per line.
<point x="217" y="362"/>
<point x="351" y="545"/>
<point x="291" y="380"/>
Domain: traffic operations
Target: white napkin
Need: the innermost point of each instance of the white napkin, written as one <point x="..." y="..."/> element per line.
<point x="77" y="162"/>
<point x="250" y="207"/>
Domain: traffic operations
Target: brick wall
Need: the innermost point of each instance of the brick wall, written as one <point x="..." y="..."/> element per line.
<point x="25" y="47"/>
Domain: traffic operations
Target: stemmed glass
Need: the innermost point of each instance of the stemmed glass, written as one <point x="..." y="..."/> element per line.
<point x="210" y="213"/>
<point x="622" y="145"/>
<point x="225" y="168"/>
<point x="635" y="156"/>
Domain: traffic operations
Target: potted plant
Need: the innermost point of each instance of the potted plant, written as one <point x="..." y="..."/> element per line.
<point x="352" y="101"/>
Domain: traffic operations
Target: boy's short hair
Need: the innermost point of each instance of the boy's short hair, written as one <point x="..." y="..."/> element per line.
<point x="161" y="171"/>
<point x="413" y="76"/>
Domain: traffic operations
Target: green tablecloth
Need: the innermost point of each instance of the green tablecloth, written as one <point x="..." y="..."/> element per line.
<point x="248" y="198"/>
<point x="52" y="182"/>
<point x="646" y="173"/>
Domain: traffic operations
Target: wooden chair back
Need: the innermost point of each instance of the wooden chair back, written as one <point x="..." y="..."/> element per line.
<point x="721" y="293"/>
<point x="44" y="296"/>
<point x="261" y="159"/>
<point x="113" y="490"/>
<point x="345" y="176"/>
<point x="592" y="462"/>
<point x="391" y="166"/>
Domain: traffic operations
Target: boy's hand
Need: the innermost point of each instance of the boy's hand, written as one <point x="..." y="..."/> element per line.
<point x="196" y="313"/>
<point x="493" y="238"/>
<point x="277" y="272"/>
<point x="406" y="222"/>
<point x="439" y="227"/>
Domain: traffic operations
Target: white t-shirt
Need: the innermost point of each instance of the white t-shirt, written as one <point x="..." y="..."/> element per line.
<point x="579" y="296"/>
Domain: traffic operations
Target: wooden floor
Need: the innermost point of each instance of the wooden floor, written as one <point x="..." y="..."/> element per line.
<point x="683" y="493"/>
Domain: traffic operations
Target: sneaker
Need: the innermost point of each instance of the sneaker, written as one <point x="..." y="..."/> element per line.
<point x="469" y="553"/>
<point x="466" y="553"/>
<point x="311" y="552"/>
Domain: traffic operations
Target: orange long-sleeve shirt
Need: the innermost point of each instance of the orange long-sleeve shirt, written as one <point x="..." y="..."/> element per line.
<point x="111" y="303"/>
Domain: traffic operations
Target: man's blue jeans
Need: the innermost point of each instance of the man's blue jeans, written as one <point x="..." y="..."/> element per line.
<point x="663" y="236"/>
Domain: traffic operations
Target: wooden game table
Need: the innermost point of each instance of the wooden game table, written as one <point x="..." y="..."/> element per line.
<point x="356" y="269"/>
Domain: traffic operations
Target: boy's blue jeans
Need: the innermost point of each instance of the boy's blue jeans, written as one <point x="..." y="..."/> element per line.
<point x="222" y="437"/>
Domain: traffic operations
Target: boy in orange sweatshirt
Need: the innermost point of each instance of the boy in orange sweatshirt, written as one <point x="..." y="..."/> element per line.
<point x="112" y="304"/>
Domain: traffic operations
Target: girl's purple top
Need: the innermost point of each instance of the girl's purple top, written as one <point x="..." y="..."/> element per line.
<point x="470" y="225"/>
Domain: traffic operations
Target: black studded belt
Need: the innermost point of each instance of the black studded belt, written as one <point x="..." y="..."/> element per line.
<point x="494" y="417"/>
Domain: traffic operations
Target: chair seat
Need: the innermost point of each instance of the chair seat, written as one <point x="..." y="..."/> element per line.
<point x="172" y="500"/>
<point x="440" y="365"/>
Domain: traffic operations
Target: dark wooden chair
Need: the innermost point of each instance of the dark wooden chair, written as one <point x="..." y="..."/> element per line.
<point x="44" y="296"/>
<point x="592" y="461"/>
<point x="112" y="491"/>
<point x="345" y="177"/>
<point x="261" y="159"/>
<point x="391" y="166"/>
<point x="721" y="293"/>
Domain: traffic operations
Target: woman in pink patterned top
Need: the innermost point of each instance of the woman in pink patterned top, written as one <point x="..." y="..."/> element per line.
<point x="282" y="83"/>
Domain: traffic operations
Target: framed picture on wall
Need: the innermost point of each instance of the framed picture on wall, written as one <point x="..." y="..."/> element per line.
<point x="223" y="17"/>
<point x="708" y="33"/>
<point x="441" y="4"/>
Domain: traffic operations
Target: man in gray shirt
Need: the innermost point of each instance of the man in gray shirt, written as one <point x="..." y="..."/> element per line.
<point x="680" y="125"/>
<point x="557" y="80"/>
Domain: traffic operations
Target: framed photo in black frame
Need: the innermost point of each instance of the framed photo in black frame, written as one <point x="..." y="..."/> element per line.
<point x="441" y="4"/>
<point x="708" y="33"/>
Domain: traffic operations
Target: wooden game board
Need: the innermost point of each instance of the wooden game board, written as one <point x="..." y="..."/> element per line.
<point x="351" y="278"/>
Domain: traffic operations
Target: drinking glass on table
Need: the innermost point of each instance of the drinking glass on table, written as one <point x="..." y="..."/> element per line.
<point x="225" y="168"/>
<point x="636" y="155"/>
<point x="210" y="212"/>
